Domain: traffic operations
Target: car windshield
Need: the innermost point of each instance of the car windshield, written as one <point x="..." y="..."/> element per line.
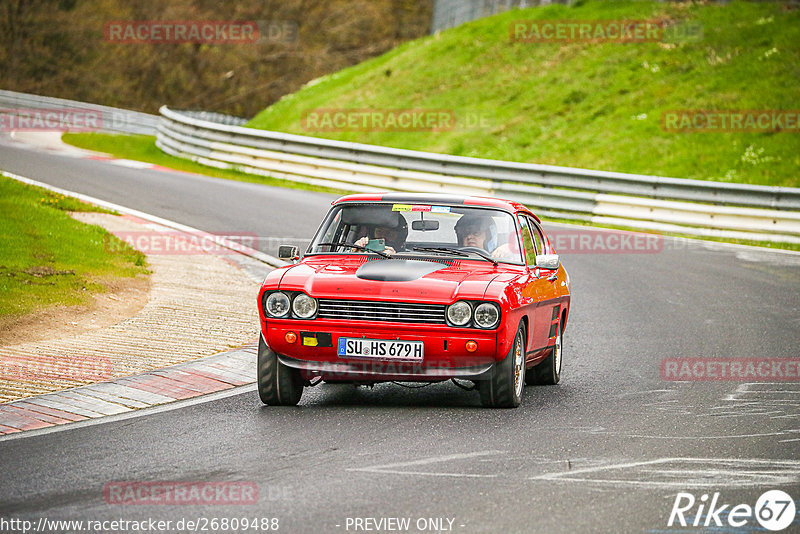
<point x="419" y="229"/>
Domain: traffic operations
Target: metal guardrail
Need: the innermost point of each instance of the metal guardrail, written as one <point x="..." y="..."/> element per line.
<point x="451" y="13"/>
<point x="111" y="119"/>
<point x="216" y="118"/>
<point x="737" y="211"/>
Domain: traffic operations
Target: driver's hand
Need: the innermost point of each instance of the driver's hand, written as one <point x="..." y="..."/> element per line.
<point x="364" y="241"/>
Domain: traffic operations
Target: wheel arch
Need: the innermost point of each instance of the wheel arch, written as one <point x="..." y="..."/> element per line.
<point x="525" y="322"/>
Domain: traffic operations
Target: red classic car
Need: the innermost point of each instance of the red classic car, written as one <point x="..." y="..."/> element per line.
<point x="416" y="288"/>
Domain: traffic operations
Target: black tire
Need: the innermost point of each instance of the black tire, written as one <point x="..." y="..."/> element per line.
<point x="504" y="388"/>
<point x="278" y="384"/>
<point x="548" y="373"/>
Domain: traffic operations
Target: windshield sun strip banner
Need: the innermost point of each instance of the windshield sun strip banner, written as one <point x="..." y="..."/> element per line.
<point x="420" y="207"/>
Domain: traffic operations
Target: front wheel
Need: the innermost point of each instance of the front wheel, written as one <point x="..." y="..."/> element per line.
<point x="548" y="373"/>
<point x="504" y="388"/>
<point x="278" y="384"/>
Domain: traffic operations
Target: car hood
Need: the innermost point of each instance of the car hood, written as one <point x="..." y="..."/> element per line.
<point x="367" y="278"/>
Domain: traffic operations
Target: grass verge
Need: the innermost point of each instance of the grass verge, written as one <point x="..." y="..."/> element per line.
<point x="48" y="258"/>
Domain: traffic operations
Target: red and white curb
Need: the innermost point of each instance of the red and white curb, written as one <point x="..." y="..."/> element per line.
<point x="187" y="380"/>
<point x="50" y="141"/>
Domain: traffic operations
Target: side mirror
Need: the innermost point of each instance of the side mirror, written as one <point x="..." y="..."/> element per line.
<point x="289" y="252"/>
<point x="547" y="261"/>
<point x="425" y="226"/>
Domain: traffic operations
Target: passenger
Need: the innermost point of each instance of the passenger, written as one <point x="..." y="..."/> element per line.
<point x="474" y="230"/>
<point x="393" y="236"/>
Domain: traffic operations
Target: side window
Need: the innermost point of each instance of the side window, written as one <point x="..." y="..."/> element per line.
<point x="537" y="236"/>
<point x="527" y="241"/>
<point x="332" y="234"/>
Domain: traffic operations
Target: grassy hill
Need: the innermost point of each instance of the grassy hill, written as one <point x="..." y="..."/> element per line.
<point x="585" y="104"/>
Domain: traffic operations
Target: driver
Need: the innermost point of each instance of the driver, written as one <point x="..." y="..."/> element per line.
<point x="394" y="236"/>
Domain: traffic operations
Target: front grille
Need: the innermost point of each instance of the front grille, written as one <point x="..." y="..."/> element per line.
<point x="367" y="310"/>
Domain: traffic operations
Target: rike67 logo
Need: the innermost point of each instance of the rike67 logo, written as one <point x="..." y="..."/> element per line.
<point x="774" y="510"/>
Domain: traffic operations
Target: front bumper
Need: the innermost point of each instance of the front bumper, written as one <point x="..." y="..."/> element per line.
<point x="445" y="353"/>
<point x="384" y="370"/>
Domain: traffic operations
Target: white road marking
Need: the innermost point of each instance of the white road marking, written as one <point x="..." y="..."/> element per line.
<point x="423" y="473"/>
<point x="393" y="467"/>
<point x="131" y="163"/>
<point x="720" y="472"/>
<point x="721" y="436"/>
<point x="647" y="392"/>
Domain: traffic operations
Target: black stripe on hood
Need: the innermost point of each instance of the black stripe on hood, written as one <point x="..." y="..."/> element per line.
<point x="397" y="270"/>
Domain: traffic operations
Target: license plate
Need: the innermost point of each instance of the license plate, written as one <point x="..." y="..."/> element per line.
<point x="381" y="349"/>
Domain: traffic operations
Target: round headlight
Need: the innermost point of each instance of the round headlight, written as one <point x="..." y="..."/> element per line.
<point x="487" y="315"/>
<point x="304" y="306"/>
<point x="277" y="304"/>
<point x="459" y="313"/>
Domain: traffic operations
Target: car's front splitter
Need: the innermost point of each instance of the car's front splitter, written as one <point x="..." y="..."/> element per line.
<point x="383" y="370"/>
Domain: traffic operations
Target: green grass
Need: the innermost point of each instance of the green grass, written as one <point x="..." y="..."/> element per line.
<point x="48" y="258"/>
<point x="143" y="148"/>
<point x="588" y="105"/>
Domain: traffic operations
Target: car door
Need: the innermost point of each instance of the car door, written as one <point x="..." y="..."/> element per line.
<point x="535" y="289"/>
<point x="549" y="299"/>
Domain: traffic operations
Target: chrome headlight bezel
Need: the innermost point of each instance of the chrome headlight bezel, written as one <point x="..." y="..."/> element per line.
<point x="461" y="306"/>
<point x="303" y="298"/>
<point x="486" y="306"/>
<point x="275" y="297"/>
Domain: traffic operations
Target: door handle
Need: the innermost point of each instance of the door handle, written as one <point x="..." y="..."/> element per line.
<point x="552" y="277"/>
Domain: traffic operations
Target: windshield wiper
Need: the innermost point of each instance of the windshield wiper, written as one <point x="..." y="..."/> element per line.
<point x="458" y="252"/>
<point x="479" y="252"/>
<point x="442" y="250"/>
<point x="353" y="245"/>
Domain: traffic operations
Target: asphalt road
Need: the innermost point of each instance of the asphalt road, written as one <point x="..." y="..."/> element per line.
<point x="607" y="450"/>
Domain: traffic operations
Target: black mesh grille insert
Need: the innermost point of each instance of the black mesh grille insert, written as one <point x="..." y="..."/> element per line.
<point x="367" y="310"/>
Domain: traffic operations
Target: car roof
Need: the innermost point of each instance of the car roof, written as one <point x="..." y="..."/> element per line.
<point x="437" y="198"/>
